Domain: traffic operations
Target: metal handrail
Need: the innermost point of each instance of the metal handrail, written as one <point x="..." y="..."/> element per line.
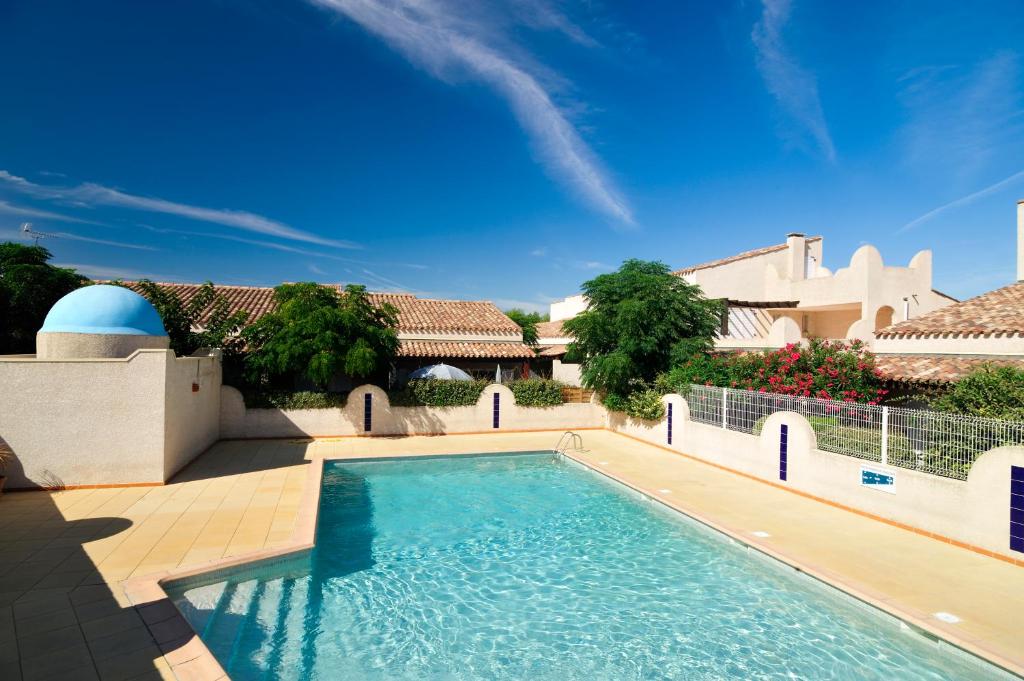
<point x="567" y="440"/>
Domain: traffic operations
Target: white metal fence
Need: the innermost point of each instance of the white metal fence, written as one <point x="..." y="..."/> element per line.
<point x="931" y="442"/>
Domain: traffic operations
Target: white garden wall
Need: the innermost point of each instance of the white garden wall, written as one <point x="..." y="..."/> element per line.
<point x="975" y="511"/>
<point x="239" y="422"/>
<point x="82" y="422"/>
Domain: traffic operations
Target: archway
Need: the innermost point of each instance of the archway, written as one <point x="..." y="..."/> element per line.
<point x="883" y="317"/>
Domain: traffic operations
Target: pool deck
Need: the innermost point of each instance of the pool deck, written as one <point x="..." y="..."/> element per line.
<point x="78" y="568"/>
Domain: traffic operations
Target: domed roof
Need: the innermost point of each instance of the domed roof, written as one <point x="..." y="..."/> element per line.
<point x="104" y="309"/>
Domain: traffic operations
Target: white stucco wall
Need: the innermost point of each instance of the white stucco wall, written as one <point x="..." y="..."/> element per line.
<point x="975" y="511"/>
<point x="105" y="421"/>
<point x="567" y="308"/>
<point x="566" y="373"/>
<point x="191" y="418"/>
<point x="239" y="422"/>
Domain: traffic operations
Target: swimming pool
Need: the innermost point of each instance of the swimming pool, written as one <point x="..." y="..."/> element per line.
<point x="530" y="566"/>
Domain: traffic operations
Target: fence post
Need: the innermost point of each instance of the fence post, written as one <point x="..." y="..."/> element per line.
<point x="725" y="404"/>
<point x="885" y="436"/>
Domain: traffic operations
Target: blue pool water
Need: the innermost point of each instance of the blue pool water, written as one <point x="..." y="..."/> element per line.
<point x="530" y="567"/>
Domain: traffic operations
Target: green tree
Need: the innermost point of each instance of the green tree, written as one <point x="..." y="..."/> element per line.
<point x="527" y="321"/>
<point x="990" y="391"/>
<point x="203" y="321"/>
<point x="29" y="286"/>
<point x="637" y="319"/>
<point x="317" y="333"/>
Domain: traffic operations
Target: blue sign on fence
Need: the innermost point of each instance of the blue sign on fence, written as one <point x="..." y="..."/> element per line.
<point x="878" y="479"/>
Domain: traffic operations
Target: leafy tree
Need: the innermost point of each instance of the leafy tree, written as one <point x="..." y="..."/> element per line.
<point x="29" y="286"/>
<point x="990" y="391"/>
<point x="203" y="321"/>
<point x="527" y="321"/>
<point x="318" y="333"/>
<point x="636" y="320"/>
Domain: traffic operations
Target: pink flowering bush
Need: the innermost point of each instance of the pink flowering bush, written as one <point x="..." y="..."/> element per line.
<point x="831" y="370"/>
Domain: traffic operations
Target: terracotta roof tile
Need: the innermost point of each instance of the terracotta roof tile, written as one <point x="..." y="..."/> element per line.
<point x="936" y="369"/>
<point x="739" y="256"/>
<point x="550" y="330"/>
<point x="999" y="313"/>
<point x="464" y="349"/>
<point x="426" y="315"/>
<point x="415" y="315"/>
<point x="552" y="350"/>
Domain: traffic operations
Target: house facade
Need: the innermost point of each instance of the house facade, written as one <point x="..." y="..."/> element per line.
<point x="946" y="344"/>
<point x="783" y="294"/>
<point x="474" y="336"/>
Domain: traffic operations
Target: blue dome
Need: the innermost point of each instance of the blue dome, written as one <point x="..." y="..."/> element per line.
<point x="104" y="309"/>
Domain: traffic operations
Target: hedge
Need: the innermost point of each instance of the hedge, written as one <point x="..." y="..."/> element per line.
<point x="303" y="399"/>
<point x="642" y="404"/>
<point x="531" y="392"/>
<point x="431" y="392"/>
<point x="536" y="392"/>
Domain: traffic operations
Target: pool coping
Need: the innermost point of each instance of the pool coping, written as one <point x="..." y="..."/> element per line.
<point x="189" y="658"/>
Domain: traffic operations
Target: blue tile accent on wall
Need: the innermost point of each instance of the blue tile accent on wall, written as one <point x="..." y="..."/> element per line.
<point x="783" y="451"/>
<point x="1017" y="508"/>
<point x="670" y="423"/>
<point x="497" y="409"/>
<point x="367" y="412"/>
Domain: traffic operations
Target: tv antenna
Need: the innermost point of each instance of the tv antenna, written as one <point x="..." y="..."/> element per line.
<point x="26" y="229"/>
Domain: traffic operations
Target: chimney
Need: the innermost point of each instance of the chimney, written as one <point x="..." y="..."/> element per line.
<point x="796" y="251"/>
<point x="1020" y="240"/>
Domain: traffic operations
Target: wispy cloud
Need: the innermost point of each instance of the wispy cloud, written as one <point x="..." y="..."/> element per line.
<point x="539" y="252"/>
<point x="284" y="248"/>
<point x="13" y="234"/>
<point x="89" y="194"/>
<point x="794" y="87"/>
<point x="24" y="211"/>
<point x="541" y="15"/>
<point x="963" y="116"/>
<point x="527" y="305"/>
<point x="963" y="201"/>
<point x="385" y="283"/>
<point x="446" y="39"/>
<point x="105" y="272"/>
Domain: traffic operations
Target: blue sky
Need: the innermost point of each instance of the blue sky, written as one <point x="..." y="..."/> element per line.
<point x="508" y="151"/>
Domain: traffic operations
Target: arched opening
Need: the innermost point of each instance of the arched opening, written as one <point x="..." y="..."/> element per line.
<point x="883" y="317"/>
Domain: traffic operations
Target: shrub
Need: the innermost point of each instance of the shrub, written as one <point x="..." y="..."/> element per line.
<point x="991" y="391"/>
<point x="281" y="399"/>
<point x="831" y="370"/>
<point x="432" y="392"/>
<point x="536" y="392"/>
<point x="613" y="402"/>
<point x="645" y="404"/>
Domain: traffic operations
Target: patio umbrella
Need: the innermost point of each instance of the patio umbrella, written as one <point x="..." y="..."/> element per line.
<point x="442" y="372"/>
